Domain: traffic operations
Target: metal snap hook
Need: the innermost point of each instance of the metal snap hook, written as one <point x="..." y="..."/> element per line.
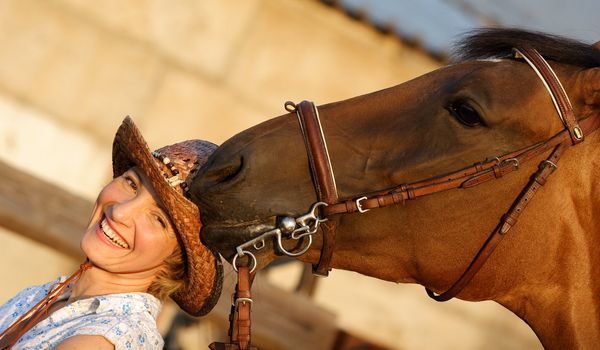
<point x="311" y="216"/>
<point x="301" y="232"/>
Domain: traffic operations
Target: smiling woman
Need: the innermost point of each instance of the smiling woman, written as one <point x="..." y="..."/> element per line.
<point x="142" y="246"/>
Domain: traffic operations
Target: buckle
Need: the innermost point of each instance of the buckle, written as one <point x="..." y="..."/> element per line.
<point x="243" y="301"/>
<point x="514" y="161"/>
<point x="550" y="163"/>
<point x="359" y="206"/>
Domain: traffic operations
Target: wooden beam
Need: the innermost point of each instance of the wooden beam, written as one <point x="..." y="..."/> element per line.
<point x="42" y="211"/>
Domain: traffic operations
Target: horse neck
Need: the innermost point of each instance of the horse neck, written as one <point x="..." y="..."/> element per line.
<point x="560" y="303"/>
<point x="562" y="318"/>
<point x="547" y="267"/>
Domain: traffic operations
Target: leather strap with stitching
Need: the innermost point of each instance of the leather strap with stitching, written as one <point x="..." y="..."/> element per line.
<point x="323" y="177"/>
<point x="539" y="178"/>
<point x="465" y="178"/>
<point x="555" y="88"/>
<point x="239" y="316"/>
<point x="243" y="303"/>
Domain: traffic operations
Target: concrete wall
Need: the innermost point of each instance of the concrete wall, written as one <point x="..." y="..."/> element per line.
<point x="70" y="70"/>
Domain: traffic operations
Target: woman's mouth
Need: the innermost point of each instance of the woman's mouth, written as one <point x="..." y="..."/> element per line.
<point x="111" y="235"/>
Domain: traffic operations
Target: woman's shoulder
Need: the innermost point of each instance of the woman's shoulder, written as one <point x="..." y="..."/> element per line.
<point x="23" y="301"/>
<point x="135" y="331"/>
<point x="127" y="320"/>
<point x="34" y="291"/>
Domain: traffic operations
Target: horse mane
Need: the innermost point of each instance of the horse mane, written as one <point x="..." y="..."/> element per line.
<point x="489" y="43"/>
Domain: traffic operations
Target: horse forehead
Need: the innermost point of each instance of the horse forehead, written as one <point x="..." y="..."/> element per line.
<point x="493" y="82"/>
<point x="476" y="74"/>
<point x="484" y="67"/>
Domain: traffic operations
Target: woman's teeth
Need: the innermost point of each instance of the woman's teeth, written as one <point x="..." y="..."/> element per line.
<point x="113" y="237"/>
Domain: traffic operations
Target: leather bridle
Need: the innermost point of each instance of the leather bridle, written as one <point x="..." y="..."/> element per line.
<point x="331" y="207"/>
<point x="329" y="204"/>
<point x="471" y="176"/>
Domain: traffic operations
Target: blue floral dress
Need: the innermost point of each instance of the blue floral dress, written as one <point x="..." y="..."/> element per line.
<point x="127" y="320"/>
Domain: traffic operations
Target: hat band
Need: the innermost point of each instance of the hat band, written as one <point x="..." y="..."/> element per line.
<point x="175" y="179"/>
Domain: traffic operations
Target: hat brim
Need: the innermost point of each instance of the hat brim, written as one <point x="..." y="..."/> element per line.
<point x="204" y="271"/>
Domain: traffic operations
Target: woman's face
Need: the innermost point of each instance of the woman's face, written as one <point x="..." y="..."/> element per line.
<point x="129" y="231"/>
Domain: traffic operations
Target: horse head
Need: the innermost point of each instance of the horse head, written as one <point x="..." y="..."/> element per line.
<point x="487" y="104"/>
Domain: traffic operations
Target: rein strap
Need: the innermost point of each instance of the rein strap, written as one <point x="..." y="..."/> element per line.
<point x="538" y="179"/>
<point x="239" y="317"/>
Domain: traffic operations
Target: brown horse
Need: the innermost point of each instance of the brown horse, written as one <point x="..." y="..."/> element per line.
<point x="486" y="104"/>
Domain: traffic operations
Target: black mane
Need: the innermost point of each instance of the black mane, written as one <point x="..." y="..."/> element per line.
<point x="498" y="43"/>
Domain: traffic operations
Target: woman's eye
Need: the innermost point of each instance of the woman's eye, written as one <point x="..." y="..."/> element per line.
<point x="131" y="183"/>
<point x="465" y="114"/>
<point x="161" y="221"/>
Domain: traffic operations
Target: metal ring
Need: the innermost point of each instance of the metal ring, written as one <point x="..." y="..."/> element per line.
<point x="289" y="106"/>
<point x="288" y="253"/>
<point x="255" y="262"/>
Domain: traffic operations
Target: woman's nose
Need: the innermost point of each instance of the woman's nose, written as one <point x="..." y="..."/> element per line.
<point x="125" y="211"/>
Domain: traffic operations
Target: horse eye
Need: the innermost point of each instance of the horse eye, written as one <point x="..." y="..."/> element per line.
<point x="465" y="114"/>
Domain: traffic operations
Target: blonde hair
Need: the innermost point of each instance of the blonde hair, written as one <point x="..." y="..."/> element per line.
<point x="170" y="278"/>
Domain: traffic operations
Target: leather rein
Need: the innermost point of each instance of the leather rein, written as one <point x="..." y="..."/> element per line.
<point x="324" y="179"/>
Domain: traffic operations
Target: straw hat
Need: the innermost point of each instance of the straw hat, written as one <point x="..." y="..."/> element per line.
<point x="170" y="170"/>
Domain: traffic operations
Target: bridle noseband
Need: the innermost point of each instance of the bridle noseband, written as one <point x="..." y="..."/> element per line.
<point x="489" y="169"/>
